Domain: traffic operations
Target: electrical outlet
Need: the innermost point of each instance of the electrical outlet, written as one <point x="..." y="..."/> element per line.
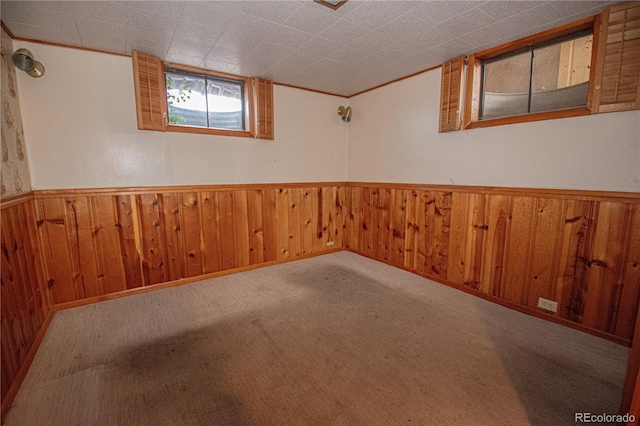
<point x="329" y="243"/>
<point x="548" y="305"/>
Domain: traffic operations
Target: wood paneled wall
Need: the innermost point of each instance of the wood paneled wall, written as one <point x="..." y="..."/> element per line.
<point x="99" y="243"/>
<point x="24" y="306"/>
<point x="580" y="249"/>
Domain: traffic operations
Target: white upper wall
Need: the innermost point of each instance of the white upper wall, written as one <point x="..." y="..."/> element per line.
<point x="393" y="137"/>
<point x="81" y="132"/>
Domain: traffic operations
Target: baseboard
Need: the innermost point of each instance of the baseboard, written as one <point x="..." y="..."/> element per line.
<point x="183" y="281"/>
<point x="7" y="401"/>
<point x="508" y="304"/>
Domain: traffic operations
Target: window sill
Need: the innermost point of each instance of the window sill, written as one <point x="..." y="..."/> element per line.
<point x="207" y="131"/>
<point x="539" y="116"/>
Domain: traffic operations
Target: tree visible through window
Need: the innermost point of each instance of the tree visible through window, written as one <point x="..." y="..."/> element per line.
<point x="200" y="100"/>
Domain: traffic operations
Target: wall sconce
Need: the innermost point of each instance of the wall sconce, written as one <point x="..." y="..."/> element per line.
<point x="345" y="113"/>
<point x="23" y="60"/>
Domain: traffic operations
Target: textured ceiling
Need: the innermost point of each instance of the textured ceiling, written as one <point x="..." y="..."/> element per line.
<point x="302" y="43"/>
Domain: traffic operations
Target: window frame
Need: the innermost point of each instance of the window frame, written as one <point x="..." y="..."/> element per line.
<point x="248" y="107"/>
<point x="474" y="75"/>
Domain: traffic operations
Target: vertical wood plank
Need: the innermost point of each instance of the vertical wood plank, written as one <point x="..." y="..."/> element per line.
<point x="306" y="218"/>
<point x="269" y="223"/>
<point x="295" y="221"/>
<point x="386" y="203"/>
<point x="519" y="249"/>
<point x="170" y="205"/>
<point x="105" y="232"/>
<point x="495" y="280"/>
<point x="398" y="226"/>
<point x="282" y="223"/>
<point x="411" y="234"/>
<point x="152" y="239"/>
<point x="129" y="239"/>
<point x="630" y="294"/>
<point x="211" y="239"/>
<point x="227" y="229"/>
<point x="191" y="234"/>
<point x="241" y="233"/>
<point x="460" y="232"/>
<point x="256" y="226"/>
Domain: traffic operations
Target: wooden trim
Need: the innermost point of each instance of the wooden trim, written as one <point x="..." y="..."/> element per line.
<point x="275" y="83"/>
<point x="539" y="38"/>
<point x="55" y="193"/>
<point x="7" y="401"/>
<point x="183" y="281"/>
<point x="7" y="30"/>
<point x="576" y="194"/>
<point x="595" y="50"/>
<point x="471" y="102"/>
<point x="597" y="67"/>
<point x="208" y="131"/>
<point x="633" y="369"/>
<point x="527" y="118"/>
<point x="197" y="70"/>
<point x="70" y="46"/>
<point x="329" y="5"/>
<point x="506" y="303"/>
<point x="14" y="200"/>
<point x="395" y="81"/>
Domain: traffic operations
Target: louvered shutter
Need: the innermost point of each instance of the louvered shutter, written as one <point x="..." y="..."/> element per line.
<point x="151" y="93"/>
<point x="451" y="95"/>
<point x="263" y="96"/>
<point x="617" y="81"/>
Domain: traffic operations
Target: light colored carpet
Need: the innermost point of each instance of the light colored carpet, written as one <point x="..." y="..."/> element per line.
<point x="336" y="339"/>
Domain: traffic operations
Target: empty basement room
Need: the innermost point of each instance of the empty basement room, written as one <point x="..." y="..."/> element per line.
<point x="320" y="212"/>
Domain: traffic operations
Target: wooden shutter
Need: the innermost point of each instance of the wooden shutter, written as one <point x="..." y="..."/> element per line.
<point x="151" y="92"/>
<point x="263" y="95"/>
<point x="617" y="79"/>
<point x="451" y="95"/>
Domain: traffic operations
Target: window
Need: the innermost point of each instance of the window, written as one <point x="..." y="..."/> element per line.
<point x="202" y="100"/>
<point x="547" y="75"/>
<point x="178" y="98"/>
<point x="542" y="78"/>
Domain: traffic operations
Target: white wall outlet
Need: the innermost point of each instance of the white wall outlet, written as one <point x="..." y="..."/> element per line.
<point x="329" y="243"/>
<point x="548" y="305"/>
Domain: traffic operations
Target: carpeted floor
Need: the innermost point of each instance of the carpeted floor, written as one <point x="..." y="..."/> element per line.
<point x="336" y="339"/>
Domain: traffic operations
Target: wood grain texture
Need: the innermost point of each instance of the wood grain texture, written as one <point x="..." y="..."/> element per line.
<point x="513" y="247"/>
<point x="25" y="301"/>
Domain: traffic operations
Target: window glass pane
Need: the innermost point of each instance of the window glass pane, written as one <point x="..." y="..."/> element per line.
<point x="225" y="104"/>
<point x="506" y="86"/>
<point x="561" y="75"/>
<point x="186" y="100"/>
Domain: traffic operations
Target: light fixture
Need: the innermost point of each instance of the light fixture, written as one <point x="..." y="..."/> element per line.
<point x="345" y="113"/>
<point x="23" y="60"/>
<point x="333" y="4"/>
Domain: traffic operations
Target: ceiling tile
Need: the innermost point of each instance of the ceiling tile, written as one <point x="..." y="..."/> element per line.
<point x="192" y="47"/>
<point x="434" y="12"/>
<point x="396" y="51"/>
<point x="213" y="65"/>
<point x="207" y="14"/>
<point x="247" y="24"/>
<point x="444" y="51"/>
<point x="182" y="58"/>
<point x="221" y="54"/>
<point x="254" y="66"/>
<point x="49" y="34"/>
<point x="286" y="72"/>
<point x="194" y="31"/>
<point x="347" y="54"/>
<point x="156" y="44"/>
<point x="26" y="13"/>
<point x="102" y="35"/>
<point x="168" y="8"/>
<point x="272" y="50"/>
<point x="376" y="13"/>
<point x="402" y="27"/>
<point x="502" y="9"/>
<point x="109" y="11"/>
<point x="289" y="37"/>
<point x="301" y="58"/>
<point x="274" y="11"/>
<point x="568" y="8"/>
<point x="344" y="32"/>
<point x="244" y="43"/>
<point x="151" y="21"/>
<point x="310" y="20"/>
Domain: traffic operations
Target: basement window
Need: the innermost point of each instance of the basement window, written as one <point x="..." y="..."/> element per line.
<point x="201" y="100"/>
<point x="544" y="76"/>
<point x="550" y="77"/>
